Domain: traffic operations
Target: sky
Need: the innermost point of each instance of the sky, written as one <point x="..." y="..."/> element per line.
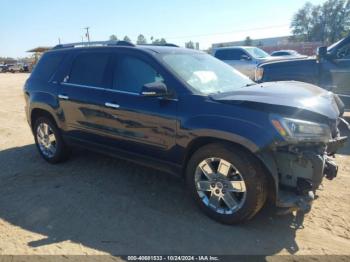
<point x="31" y="23"/>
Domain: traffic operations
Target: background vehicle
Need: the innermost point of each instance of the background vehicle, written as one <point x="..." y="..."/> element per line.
<point x="183" y="111"/>
<point x="19" y="67"/>
<point x="243" y="58"/>
<point x="289" y="53"/>
<point x="3" y="68"/>
<point x="330" y="69"/>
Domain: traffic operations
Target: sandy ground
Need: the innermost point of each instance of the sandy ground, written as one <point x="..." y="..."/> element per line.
<point x="94" y="204"/>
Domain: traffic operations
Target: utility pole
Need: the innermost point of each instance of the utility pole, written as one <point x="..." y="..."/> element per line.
<point x="87" y="33"/>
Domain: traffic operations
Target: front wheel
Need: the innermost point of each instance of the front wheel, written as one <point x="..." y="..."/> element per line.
<point x="226" y="182"/>
<point x="49" y="141"/>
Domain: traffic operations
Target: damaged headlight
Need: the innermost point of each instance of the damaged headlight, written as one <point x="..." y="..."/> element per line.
<point x="296" y="130"/>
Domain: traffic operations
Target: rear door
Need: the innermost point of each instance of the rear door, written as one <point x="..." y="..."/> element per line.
<point x="82" y="97"/>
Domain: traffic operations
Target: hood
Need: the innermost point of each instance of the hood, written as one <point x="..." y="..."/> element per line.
<point x="287" y="61"/>
<point x="287" y="93"/>
<point x="280" y="58"/>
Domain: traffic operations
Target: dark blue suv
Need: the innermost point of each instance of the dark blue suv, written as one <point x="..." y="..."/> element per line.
<point x="236" y="143"/>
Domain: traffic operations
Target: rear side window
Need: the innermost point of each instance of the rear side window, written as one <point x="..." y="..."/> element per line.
<point x="229" y="54"/>
<point x="47" y="66"/>
<point x="280" y="53"/>
<point x="132" y="74"/>
<point x="89" y="69"/>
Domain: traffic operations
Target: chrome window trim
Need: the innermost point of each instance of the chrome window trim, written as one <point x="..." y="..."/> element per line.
<point x="101" y="88"/>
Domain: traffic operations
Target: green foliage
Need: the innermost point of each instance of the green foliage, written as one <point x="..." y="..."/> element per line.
<point x="161" y="41"/>
<point x="113" y="38"/>
<point x="127" y="39"/>
<point x="248" y="41"/>
<point x="141" y="40"/>
<point x="190" y="45"/>
<point x="326" y="23"/>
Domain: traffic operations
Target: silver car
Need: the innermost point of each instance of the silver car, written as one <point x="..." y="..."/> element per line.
<point x="289" y="53"/>
<point x="244" y="58"/>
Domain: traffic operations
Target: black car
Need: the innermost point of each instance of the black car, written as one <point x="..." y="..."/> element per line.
<point x="235" y="142"/>
<point x="330" y="69"/>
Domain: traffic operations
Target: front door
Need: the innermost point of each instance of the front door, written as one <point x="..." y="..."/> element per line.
<point x="142" y="125"/>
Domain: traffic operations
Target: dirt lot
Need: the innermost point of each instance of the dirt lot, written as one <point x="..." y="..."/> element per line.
<point x="94" y="204"/>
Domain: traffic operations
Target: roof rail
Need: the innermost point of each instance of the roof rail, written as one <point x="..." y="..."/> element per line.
<point x="166" y="44"/>
<point x="169" y="44"/>
<point x="94" y="43"/>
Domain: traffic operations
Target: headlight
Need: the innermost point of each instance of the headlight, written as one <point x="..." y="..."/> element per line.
<point x="296" y="130"/>
<point x="259" y="73"/>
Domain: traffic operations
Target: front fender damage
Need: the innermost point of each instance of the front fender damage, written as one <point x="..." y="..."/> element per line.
<point x="298" y="171"/>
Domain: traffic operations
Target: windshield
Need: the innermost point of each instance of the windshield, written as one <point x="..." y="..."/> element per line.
<point x="205" y="73"/>
<point x="256" y="52"/>
<point x="335" y="44"/>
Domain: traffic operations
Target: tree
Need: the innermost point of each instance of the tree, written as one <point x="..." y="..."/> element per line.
<point x="127" y="39"/>
<point x="326" y="23"/>
<point x="248" y="41"/>
<point x="113" y="38"/>
<point x="190" y="45"/>
<point x="141" y="40"/>
<point x="161" y="41"/>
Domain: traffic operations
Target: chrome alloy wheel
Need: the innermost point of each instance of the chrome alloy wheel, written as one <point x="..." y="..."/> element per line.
<point x="46" y="140"/>
<point x="220" y="185"/>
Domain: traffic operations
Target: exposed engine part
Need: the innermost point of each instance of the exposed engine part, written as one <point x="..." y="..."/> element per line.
<point x="344" y="122"/>
<point x="290" y="202"/>
<point x="331" y="169"/>
<point x="304" y="185"/>
<point x="334" y="145"/>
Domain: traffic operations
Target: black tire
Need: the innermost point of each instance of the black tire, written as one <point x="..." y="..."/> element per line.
<point x="250" y="170"/>
<point x="62" y="151"/>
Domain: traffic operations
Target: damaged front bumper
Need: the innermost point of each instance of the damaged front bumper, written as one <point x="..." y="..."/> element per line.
<point x="298" y="171"/>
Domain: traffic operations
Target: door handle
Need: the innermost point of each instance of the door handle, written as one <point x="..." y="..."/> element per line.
<point x="111" y="105"/>
<point x="63" y="97"/>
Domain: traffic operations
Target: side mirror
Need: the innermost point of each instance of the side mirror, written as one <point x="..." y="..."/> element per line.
<point x="245" y="58"/>
<point x="155" y="89"/>
<point x="321" y="52"/>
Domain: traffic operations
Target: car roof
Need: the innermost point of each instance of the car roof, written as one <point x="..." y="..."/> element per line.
<point x="153" y="49"/>
<point x="166" y="49"/>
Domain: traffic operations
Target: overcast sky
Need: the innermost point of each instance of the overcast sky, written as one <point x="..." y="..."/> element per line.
<point x="32" y="23"/>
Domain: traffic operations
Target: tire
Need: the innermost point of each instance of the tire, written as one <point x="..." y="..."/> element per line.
<point x="58" y="151"/>
<point x="245" y="172"/>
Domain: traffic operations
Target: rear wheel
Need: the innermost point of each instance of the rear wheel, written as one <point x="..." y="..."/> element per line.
<point x="226" y="182"/>
<point x="49" y="141"/>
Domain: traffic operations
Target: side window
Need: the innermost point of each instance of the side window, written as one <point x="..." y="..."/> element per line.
<point x="229" y="54"/>
<point x="132" y="74"/>
<point x="89" y="69"/>
<point x="47" y="66"/>
<point x="344" y="52"/>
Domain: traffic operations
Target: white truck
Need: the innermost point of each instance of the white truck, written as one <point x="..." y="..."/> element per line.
<point x="244" y="58"/>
